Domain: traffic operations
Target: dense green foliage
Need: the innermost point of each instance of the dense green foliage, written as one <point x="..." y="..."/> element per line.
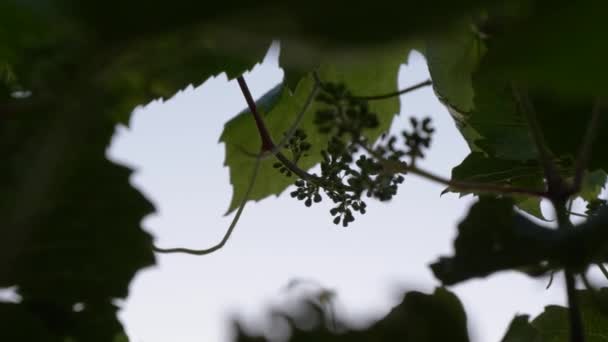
<point x="525" y="82"/>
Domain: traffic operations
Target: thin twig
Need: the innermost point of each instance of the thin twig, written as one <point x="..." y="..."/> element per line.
<point x="603" y="269"/>
<point x="396" y="93"/>
<point x="551" y="276"/>
<point x="584" y="153"/>
<point x="401" y="167"/>
<point x="577" y="214"/>
<point x="422" y="84"/>
<point x="235" y="220"/>
<point x="475" y="187"/>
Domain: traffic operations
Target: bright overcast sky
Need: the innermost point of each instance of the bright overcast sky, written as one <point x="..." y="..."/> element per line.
<point x="174" y="149"/>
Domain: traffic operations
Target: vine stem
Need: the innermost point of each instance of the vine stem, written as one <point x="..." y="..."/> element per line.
<point x="576" y="320"/>
<point x="267" y="144"/>
<point x="603" y="269"/>
<point x="401" y="167"/>
<point x="416" y="86"/>
<point x="559" y="193"/>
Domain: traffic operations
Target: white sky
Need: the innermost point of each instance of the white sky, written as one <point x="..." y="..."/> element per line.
<point x="174" y="148"/>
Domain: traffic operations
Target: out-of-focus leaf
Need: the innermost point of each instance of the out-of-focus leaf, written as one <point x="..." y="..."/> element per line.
<point x="553" y="324"/>
<point x="20" y="325"/>
<point x="520" y="330"/>
<point x="420" y="317"/>
<point x="376" y="76"/>
<point x="69" y="221"/>
<point x="544" y="53"/>
<point x="493" y="237"/>
<point x="316" y="22"/>
<point x="134" y="78"/>
<point x="592" y="186"/>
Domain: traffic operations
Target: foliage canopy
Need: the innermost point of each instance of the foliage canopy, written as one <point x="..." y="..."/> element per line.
<point x="525" y="82"/>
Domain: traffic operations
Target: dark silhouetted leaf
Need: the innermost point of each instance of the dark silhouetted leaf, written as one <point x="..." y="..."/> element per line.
<point x="69" y="221"/>
<point x="420" y="317"/>
<point x="520" y="330"/>
<point x="493" y="237"/>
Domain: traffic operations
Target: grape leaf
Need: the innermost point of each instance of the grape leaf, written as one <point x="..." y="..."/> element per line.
<point x="492" y="121"/>
<point x="377" y="76"/>
<point x="592" y="185"/>
<point x="452" y="58"/>
<point x="478" y="168"/>
<point x="553" y="324"/>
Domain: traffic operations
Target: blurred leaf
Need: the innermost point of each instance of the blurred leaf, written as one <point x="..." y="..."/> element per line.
<point x="592" y="186"/>
<point x="69" y="220"/>
<point x="493" y="237"/>
<point x="420" y="317"/>
<point x="20" y="325"/>
<point x="134" y="78"/>
<point x="553" y="324"/>
<point x="280" y="108"/>
<point x="520" y="330"/>
<point x="543" y="52"/>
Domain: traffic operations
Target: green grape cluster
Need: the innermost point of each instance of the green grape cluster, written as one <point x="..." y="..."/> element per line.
<point x="298" y="146"/>
<point x="306" y="191"/>
<point x="350" y="168"/>
<point x="343" y="114"/>
<point x="419" y="138"/>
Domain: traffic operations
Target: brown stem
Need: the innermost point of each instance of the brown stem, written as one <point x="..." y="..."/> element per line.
<point x="267" y="144"/>
<point x="401" y="167"/>
<point x="474" y="187"/>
